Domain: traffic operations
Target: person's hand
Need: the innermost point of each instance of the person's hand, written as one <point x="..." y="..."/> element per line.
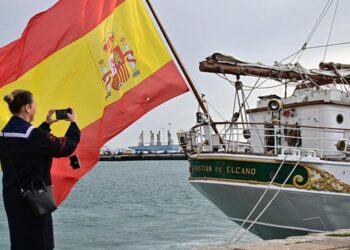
<point x="72" y="117"/>
<point x="49" y="120"/>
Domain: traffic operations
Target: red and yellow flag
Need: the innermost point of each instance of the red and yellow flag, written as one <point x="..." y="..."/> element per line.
<point x="105" y="59"/>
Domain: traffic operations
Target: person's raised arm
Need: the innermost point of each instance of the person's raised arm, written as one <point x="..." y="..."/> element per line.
<point x="49" y="120"/>
<point x="52" y="146"/>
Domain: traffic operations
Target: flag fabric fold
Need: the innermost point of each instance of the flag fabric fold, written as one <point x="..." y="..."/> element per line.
<point x="105" y="59"/>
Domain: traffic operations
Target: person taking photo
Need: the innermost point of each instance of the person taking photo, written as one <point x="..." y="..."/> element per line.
<point x="26" y="154"/>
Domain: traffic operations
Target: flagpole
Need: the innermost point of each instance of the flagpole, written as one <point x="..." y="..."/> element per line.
<point x="182" y="67"/>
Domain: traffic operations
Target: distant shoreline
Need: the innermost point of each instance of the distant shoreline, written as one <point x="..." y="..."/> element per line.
<point x="143" y="157"/>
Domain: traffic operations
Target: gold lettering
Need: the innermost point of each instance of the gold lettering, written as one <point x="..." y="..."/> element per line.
<point x="201" y="169"/>
<point x="230" y="170"/>
<point x="253" y="171"/>
<point x="237" y="170"/>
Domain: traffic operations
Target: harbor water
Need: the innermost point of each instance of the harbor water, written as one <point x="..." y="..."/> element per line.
<point x="136" y="205"/>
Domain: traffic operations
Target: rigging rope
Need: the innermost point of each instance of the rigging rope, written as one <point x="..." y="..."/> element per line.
<point x="329" y="45"/>
<point x="267" y="87"/>
<point x="290" y="56"/>
<point x="330" y="31"/>
<point x="315" y="47"/>
<point x="343" y="80"/>
<point x="248" y="88"/>
<point x="318" y="22"/>
<point x="217" y="112"/>
<point x="300" y="52"/>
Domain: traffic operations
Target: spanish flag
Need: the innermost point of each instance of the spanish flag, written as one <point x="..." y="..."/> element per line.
<point x="105" y="59"/>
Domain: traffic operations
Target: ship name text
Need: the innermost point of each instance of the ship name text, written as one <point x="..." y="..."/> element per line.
<point x="228" y="169"/>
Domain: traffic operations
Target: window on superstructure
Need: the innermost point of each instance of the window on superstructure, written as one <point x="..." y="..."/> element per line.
<point x="340" y="118"/>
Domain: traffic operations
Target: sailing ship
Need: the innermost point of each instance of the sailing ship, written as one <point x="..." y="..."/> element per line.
<point x="281" y="168"/>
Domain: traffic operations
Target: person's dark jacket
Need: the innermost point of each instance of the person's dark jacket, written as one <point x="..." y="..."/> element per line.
<point x="29" y="151"/>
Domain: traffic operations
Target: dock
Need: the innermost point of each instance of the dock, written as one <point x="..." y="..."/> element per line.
<point x="143" y="157"/>
<point x="339" y="239"/>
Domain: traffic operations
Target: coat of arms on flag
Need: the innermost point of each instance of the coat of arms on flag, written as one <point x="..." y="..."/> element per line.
<point x="119" y="59"/>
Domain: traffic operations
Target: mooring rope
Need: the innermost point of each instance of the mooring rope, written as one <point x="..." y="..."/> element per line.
<point x="199" y="151"/>
<point x="258" y="202"/>
<point x="268" y="204"/>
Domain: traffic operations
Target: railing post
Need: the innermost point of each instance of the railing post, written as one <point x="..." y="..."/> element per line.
<point x="227" y="139"/>
<point x="275" y="138"/>
<point x="321" y="146"/>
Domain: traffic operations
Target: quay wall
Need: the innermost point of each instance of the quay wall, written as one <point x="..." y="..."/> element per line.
<point x="143" y="157"/>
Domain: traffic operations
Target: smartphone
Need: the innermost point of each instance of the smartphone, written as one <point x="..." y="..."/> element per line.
<point x="74" y="162"/>
<point x="62" y="114"/>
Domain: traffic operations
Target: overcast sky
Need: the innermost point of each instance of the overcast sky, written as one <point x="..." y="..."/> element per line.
<point x="253" y="30"/>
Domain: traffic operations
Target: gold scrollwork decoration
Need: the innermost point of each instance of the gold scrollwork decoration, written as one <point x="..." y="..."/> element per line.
<point x="321" y="180"/>
<point x="297" y="180"/>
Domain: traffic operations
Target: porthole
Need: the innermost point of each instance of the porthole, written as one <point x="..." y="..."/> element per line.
<point x="340" y="118"/>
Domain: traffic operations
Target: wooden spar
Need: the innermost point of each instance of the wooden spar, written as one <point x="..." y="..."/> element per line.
<point x="183" y="69"/>
<point x="248" y="70"/>
<point x="332" y="66"/>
